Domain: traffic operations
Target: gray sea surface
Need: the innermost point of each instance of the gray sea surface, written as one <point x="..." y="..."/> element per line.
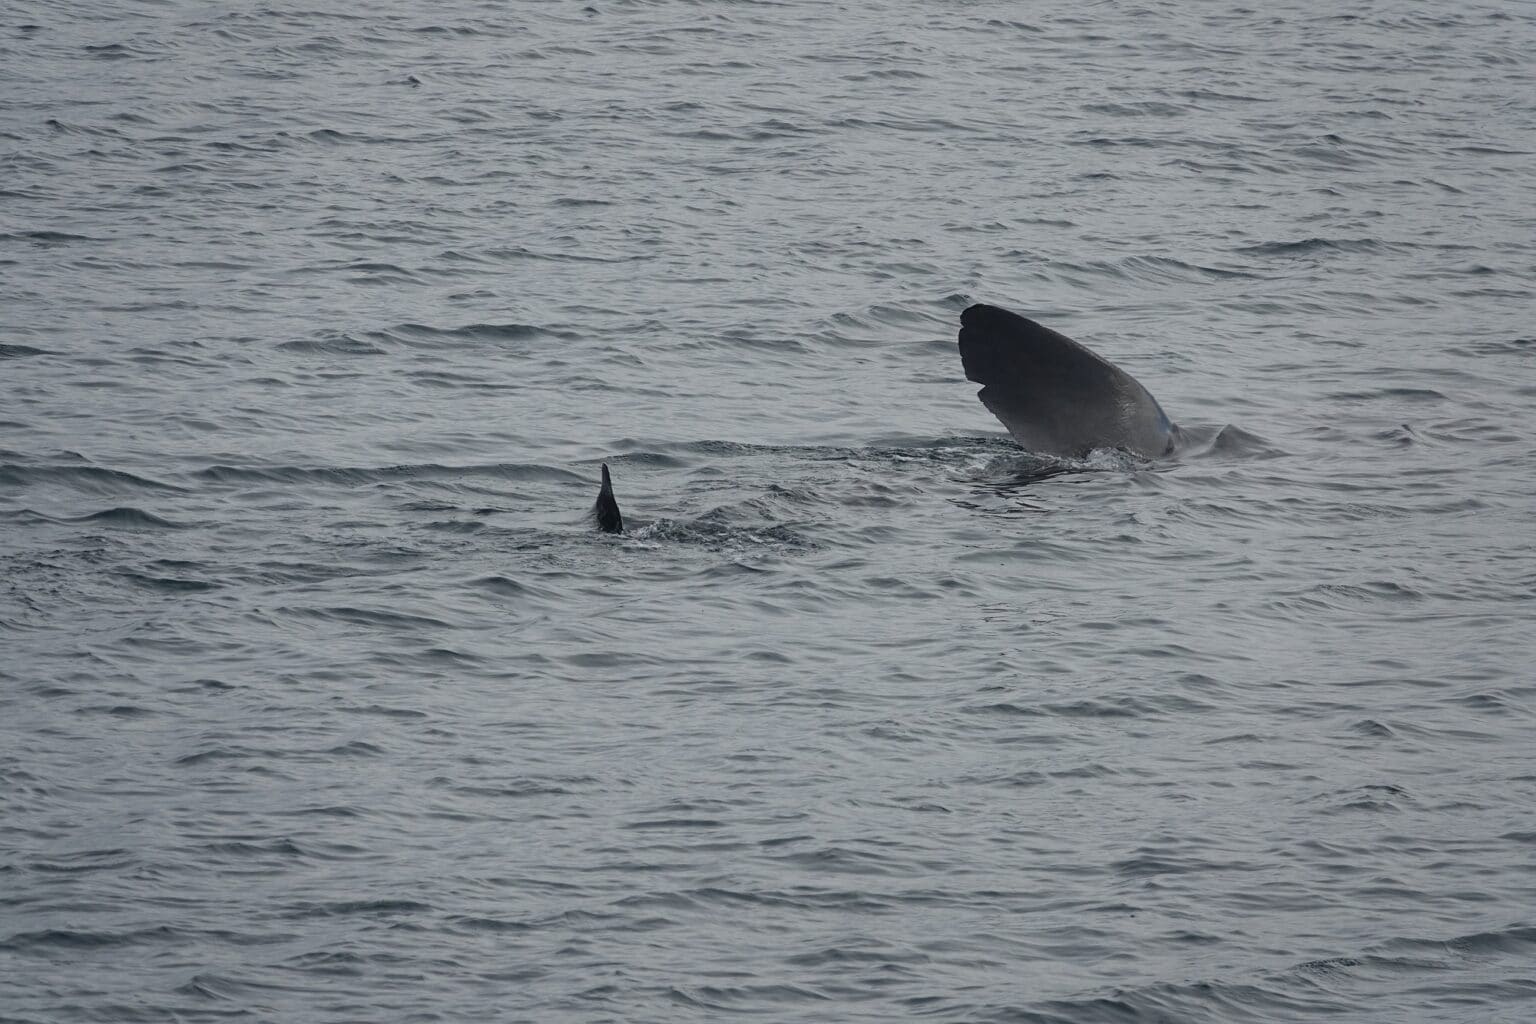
<point x="321" y="699"/>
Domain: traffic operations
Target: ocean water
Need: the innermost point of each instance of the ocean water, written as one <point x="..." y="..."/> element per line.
<point x="321" y="699"/>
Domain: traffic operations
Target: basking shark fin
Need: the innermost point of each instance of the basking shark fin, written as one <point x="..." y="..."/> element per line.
<point x="606" y="511"/>
<point x="1055" y="396"/>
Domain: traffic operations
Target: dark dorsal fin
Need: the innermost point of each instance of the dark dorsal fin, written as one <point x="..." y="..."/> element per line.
<point x="609" y="519"/>
<point x="1057" y="397"/>
<point x="999" y="347"/>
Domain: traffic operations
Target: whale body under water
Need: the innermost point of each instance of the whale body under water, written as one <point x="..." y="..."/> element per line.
<point x="1055" y="396"/>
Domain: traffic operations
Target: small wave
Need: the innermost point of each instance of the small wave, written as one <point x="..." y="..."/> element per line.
<point x="368" y="271"/>
<point x="352" y="908"/>
<point x="489" y="924"/>
<point x="108" y="50"/>
<point x="1308" y="246"/>
<point x="839" y="859"/>
<point x="74" y="939"/>
<point x="1021" y="779"/>
<point x="46" y="237"/>
<point x="283" y="847"/>
<point x="117" y="711"/>
<point x="905" y="316"/>
<point x="1376" y="394"/>
<point x="331" y="136"/>
<point x="1227" y="440"/>
<point x="332" y="343"/>
<point x="447" y="30"/>
<point x="367" y="617"/>
<point x="1007" y="709"/>
<point x="672" y="824"/>
<point x="559" y="785"/>
<point x="1499" y="347"/>
<point x="1518" y="940"/>
<point x="17" y="351"/>
<point x="1371" y="590"/>
<point x="1017" y="26"/>
<point x="479" y="332"/>
<point x="523" y="253"/>
<point x="216" y="754"/>
<point x="84" y="862"/>
<point x="127" y="516"/>
<point x="92" y="479"/>
<point x="67" y="128"/>
<point x="1150" y="863"/>
<point x="1373" y="729"/>
<point x="356" y="748"/>
<point x="214" y="987"/>
<point x="503" y="586"/>
<point x="1149" y="108"/>
<point x="1193" y="1001"/>
<point x="1155" y="269"/>
<point x="382" y="711"/>
<point x="722" y="999"/>
<point x="167" y="584"/>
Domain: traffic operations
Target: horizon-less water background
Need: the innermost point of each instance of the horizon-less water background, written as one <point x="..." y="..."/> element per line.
<point x="321" y="700"/>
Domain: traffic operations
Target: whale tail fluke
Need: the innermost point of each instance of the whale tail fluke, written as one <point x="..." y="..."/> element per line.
<point x="606" y="511"/>
<point x="1057" y="397"/>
